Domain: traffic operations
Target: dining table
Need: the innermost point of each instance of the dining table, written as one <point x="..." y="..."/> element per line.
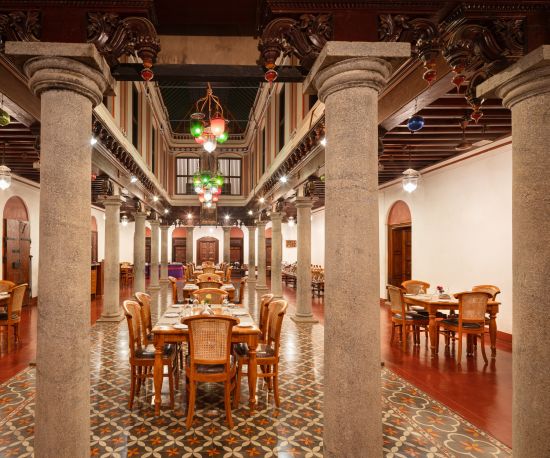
<point x="433" y="304"/>
<point x="169" y="330"/>
<point x="190" y="287"/>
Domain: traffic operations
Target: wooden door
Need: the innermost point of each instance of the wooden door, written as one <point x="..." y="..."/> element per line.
<point x="268" y="252"/>
<point x="178" y="249"/>
<point x="94" y="246"/>
<point x="236" y="250"/>
<point x="207" y="250"/>
<point x="148" y="250"/>
<point x="17" y="250"/>
<point x="399" y="254"/>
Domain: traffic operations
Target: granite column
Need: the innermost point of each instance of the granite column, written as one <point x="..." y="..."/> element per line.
<point x="154" y="282"/>
<point x="164" y="253"/>
<point x="276" y="255"/>
<point x="261" y="285"/>
<point x="251" y="255"/>
<point x="525" y="89"/>
<point x="348" y="77"/>
<point x="139" y="251"/>
<point x="226" y="244"/>
<point x="70" y="80"/>
<point x="189" y="244"/>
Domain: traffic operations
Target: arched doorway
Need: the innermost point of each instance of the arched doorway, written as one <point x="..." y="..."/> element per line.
<point x="148" y="245"/>
<point x="179" y="245"/>
<point x="94" y="240"/>
<point x="207" y="250"/>
<point x="399" y="243"/>
<point x="236" y="245"/>
<point x="268" y="233"/>
<point x="17" y="242"/>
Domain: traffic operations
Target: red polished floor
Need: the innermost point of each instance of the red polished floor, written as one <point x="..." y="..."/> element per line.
<point x="481" y="394"/>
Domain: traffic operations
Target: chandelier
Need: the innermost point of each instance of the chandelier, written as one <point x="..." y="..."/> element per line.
<point x="208" y="186"/>
<point x="207" y="123"/>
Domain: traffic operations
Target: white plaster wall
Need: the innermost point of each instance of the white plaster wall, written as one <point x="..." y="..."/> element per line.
<point x="318" y="237"/>
<point x="461" y="227"/>
<point x="289" y="233"/>
<point x="30" y="194"/>
<point x="99" y="214"/>
<point x="126" y="242"/>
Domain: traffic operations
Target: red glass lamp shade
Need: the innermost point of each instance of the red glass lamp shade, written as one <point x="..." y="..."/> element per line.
<point x="217" y="125"/>
<point x="200" y="140"/>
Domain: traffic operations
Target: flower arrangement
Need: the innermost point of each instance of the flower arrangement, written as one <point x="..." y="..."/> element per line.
<point x="440" y="289"/>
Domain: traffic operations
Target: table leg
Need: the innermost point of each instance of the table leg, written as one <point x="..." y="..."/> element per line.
<point x="252" y="373"/>
<point x="433" y="331"/>
<point x="157" y="371"/>
<point x="493" y="333"/>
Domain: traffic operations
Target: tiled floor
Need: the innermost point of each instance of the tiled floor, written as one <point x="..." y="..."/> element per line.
<point x="414" y="424"/>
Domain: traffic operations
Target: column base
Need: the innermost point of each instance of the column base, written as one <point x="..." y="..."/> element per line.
<point x="164" y="280"/>
<point x="262" y="288"/>
<point x="154" y="287"/>
<point x="304" y="319"/>
<point x="110" y="318"/>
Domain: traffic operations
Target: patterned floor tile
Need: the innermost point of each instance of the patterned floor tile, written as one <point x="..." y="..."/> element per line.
<point x="414" y="425"/>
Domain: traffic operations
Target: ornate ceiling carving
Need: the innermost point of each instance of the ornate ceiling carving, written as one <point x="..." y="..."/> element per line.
<point x="19" y="26"/>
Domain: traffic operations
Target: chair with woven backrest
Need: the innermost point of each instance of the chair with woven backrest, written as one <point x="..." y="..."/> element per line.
<point x="209" y="270"/>
<point x="472" y="306"/>
<point x="142" y="354"/>
<point x="228" y="273"/>
<point x="210" y="359"/>
<point x="494" y="291"/>
<point x="216" y="295"/>
<point x="415" y="286"/>
<point x="404" y="320"/>
<point x="6" y="286"/>
<point x="144" y="301"/>
<point x="264" y="307"/>
<point x="209" y="284"/>
<point x="208" y="277"/>
<point x="11" y="317"/>
<point x="267" y="354"/>
<point x="207" y="264"/>
<point x="242" y="287"/>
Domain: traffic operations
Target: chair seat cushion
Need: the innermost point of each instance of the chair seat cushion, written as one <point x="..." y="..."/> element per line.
<point x="454" y="322"/>
<point x="149" y="351"/>
<point x="410" y="316"/>
<point x="262" y="351"/>
<point x="210" y="368"/>
<point x="426" y="314"/>
<point x="4" y="316"/>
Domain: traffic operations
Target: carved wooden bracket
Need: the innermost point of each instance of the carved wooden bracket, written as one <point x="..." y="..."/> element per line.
<point x="19" y="26"/>
<point x="303" y="38"/>
<point x="115" y="37"/>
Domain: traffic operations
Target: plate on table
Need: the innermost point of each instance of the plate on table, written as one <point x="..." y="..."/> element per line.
<point x="177" y="306"/>
<point x="171" y="315"/>
<point x="239" y="312"/>
<point x="245" y="325"/>
<point x="180" y="326"/>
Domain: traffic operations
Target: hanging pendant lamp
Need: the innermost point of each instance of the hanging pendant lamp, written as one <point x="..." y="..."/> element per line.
<point x="5" y="172"/>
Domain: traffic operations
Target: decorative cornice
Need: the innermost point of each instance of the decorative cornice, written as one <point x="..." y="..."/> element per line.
<point x="19" y="26"/>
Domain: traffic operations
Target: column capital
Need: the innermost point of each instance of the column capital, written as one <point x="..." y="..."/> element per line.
<point x="76" y="67"/>
<point x="112" y="201"/>
<point x="140" y="215"/>
<point x="154" y="222"/>
<point x="189" y="228"/>
<point x="164" y="227"/>
<point x="528" y="77"/>
<point x="303" y="202"/>
<point x="261" y="224"/>
<point x="251" y="228"/>
<point x="226" y="228"/>
<point x="345" y="65"/>
<point x="277" y="216"/>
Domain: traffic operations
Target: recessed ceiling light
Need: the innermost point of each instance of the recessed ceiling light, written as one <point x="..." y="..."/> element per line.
<point x="155" y="198"/>
<point x="166" y="211"/>
<point x="226" y="217"/>
<point x="283" y="179"/>
<point x="324" y="141"/>
<point x="250" y="212"/>
<point x="133" y="179"/>
<point x="189" y="215"/>
<point x="93" y="141"/>
<point x="262" y="200"/>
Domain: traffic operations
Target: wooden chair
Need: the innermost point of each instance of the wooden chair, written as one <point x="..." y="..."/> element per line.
<point x="228" y="273"/>
<point x="265" y="300"/>
<point x="6" y="286"/>
<point x="188" y="275"/>
<point x="216" y="295"/>
<point x="403" y="319"/>
<point x="173" y="281"/>
<point x="472" y="307"/>
<point x="208" y="277"/>
<point x="494" y="291"/>
<point x="12" y="315"/>
<point x="242" y="287"/>
<point x="415" y="286"/>
<point x="144" y="301"/>
<point x="209" y="270"/>
<point x="142" y="355"/>
<point x="209" y="284"/>
<point x="210" y="359"/>
<point x="207" y="264"/>
<point x="267" y="354"/>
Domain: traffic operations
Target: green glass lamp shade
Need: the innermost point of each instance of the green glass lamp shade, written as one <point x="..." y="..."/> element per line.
<point x="205" y="178"/>
<point x="219" y="180"/>
<point x="4" y="118"/>
<point x="222" y="138"/>
<point x="196" y="127"/>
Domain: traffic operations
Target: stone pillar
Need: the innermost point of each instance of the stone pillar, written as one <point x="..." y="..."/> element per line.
<point x="62" y="411"/>
<point x="111" y="276"/>
<point x="303" y="268"/>
<point x="189" y="245"/>
<point x="251" y="254"/>
<point x="262" y="283"/>
<point x="139" y="251"/>
<point x="276" y="255"/>
<point x="525" y="89"/>
<point x="226" y="244"/>
<point x="154" y="281"/>
<point x="164" y="253"/>
<point x="348" y="77"/>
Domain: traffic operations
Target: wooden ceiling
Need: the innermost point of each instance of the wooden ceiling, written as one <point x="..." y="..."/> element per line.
<point x="19" y="149"/>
